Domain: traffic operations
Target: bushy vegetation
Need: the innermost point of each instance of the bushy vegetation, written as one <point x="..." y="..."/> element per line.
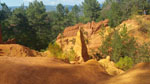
<point x="33" y="26"/>
<point x="125" y="63"/>
<point x="143" y="54"/>
<point x="124" y="49"/>
<point x="119" y="10"/>
<point x="71" y="55"/>
<point x="56" y="51"/>
<point x="144" y="26"/>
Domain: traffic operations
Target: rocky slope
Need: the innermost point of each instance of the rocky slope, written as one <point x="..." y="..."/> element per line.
<point x="137" y="27"/>
<point x="92" y="38"/>
<point x="16" y="50"/>
<point x="21" y="65"/>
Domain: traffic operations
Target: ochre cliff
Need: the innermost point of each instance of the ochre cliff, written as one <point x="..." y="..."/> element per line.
<point x="137" y="26"/>
<point x="92" y="38"/>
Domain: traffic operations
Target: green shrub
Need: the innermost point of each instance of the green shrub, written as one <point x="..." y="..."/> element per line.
<point x="143" y="53"/>
<point x="70" y="55"/>
<point x="118" y="45"/>
<point x="123" y="45"/>
<point x="105" y="47"/>
<point x="55" y="50"/>
<point x="124" y="50"/>
<point x="125" y="63"/>
<point x="42" y="50"/>
<point x="144" y="26"/>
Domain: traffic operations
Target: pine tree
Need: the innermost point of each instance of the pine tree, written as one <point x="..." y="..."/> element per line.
<point x="75" y="14"/>
<point x="20" y="28"/>
<point x="38" y="20"/>
<point x="91" y="10"/>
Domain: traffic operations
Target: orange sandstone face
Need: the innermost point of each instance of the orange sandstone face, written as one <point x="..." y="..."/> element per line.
<point x="90" y="31"/>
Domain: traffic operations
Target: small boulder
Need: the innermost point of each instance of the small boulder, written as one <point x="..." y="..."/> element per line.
<point x="110" y="66"/>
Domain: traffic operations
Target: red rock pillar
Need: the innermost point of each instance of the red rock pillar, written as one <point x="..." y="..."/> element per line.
<point x="0" y="35"/>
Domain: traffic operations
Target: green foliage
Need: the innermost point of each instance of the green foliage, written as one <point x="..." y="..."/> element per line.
<point x="75" y="14"/>
<point x="122" y="45"/>
<point x="71" y="55"/>
<point x="112" y="10"/>
<point x="60" y="11"/>
<point x="106" y="47"/>
<point x="125" y="63"/>
<point x="91" y="10"/>
<point x="34" y="27"/>
<point x="57" y="52"/>
<point x="20" y="28"/>
<point x="29" y="26"/>
<point x="115" y="13"/>
<point x="118" y="45"/>
<point x="143" y="53"/>
<point x="5" y="12"/>
<point x="120" y="10"/>
<point x="144" y="26"/>
<point x="60" y="19"/>
<point x="124" y="50"/>
<point x="38" y="20"/>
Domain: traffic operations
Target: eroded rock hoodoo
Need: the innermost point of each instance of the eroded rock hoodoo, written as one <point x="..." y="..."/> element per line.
<point x="80" y="47"/>
<point x="90" y="31"/>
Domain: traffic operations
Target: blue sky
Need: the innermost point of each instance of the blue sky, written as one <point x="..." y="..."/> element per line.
<point x="46" y="2"/>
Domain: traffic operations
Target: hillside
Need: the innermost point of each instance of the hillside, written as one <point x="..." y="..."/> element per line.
<point x="16" y="50"/>
<point x="22" y="65"/>
<point x="84" y="42"/>
<point x="90" y="31"/>
<point x="137" y="27"/>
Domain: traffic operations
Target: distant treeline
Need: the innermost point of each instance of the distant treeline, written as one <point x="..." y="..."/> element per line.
<point x="48" y="7"/>
<point x="32" y="26"/>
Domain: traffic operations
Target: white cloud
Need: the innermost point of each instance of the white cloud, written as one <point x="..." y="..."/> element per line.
<point x="28" y="0"/>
